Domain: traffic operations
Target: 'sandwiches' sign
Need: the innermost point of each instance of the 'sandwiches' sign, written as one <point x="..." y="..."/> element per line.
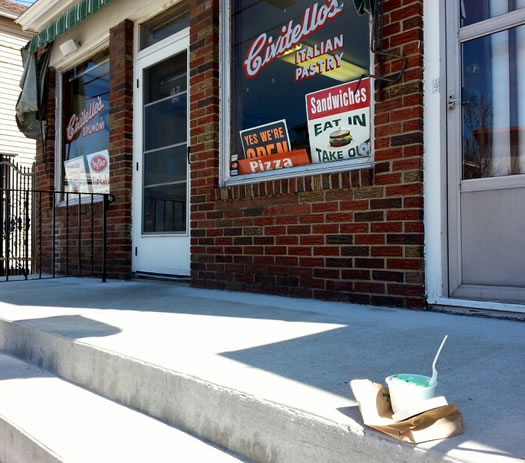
<point x="339" y="122"/>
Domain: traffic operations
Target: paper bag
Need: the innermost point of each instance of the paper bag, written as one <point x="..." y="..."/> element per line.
<point x="374" y="404"/>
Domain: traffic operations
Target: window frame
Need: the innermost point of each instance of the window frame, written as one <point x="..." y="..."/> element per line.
<point x="225" y="129"/>
<point x="60" y="71"/>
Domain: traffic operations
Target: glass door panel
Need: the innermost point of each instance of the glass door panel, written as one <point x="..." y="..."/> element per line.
<point x="493" y="71"/>
<point x="474" y="11"/>
<point x="165" y="146"/>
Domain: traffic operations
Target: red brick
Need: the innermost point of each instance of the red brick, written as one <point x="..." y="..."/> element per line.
<point x="370" y="239"/>
<point x="312" y="240"/>
<point x="355" y="228"/>
<point x="326" y="228"/>
<point x="385" y="227"/>
<point x="404" y="190"/>
<point x="326" y="251"/>
<point x="299" y="251"/>
<point x="408" y="264"/>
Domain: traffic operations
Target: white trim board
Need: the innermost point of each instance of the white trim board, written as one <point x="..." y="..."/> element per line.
<point x="434" y="149"/>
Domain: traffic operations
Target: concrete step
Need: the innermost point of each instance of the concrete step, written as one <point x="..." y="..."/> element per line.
<point x="250" y="425"/>
<point x="45" y="419"/>
<point x="266" y="377"/>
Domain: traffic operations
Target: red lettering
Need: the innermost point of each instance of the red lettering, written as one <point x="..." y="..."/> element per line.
<point x="314" y="18"/>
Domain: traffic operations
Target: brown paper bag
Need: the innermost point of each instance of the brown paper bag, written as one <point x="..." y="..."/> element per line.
<point x="374" y="404"/>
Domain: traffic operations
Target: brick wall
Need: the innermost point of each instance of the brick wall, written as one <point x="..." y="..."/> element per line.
<point x="59" y="250"/>
<point x="120" y="148"/>
<point x="353" y="236"/>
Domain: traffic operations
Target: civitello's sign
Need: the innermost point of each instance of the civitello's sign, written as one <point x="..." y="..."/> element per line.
<point x="264" y="49"/>
<point x="78" y="123"/>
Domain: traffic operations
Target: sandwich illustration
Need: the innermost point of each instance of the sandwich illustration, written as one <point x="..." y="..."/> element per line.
<point x="340" y="137"/>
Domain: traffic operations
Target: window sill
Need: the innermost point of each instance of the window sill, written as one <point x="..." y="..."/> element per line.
<point x="299" y="181"/>
<point x="312" y="169"/>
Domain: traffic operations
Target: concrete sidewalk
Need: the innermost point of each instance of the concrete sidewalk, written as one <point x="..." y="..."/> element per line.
<point x="298" y="354"/>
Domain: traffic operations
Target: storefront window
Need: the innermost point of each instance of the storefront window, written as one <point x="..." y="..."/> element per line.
<point x="300" y="95"/>
<point x="85" y="122"/>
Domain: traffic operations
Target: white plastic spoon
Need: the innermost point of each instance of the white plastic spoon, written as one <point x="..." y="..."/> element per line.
<point x="433" y="380"/>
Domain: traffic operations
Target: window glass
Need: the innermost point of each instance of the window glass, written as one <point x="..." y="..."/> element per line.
<point x="493" y="104"/>
<point x="473" y="11"/>
<point x="162" y="26"/>
<point x="85" y="109"/>
<point x="299" y="91"/>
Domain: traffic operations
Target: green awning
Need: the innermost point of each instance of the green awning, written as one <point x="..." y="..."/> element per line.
<point x="65" y="22"/>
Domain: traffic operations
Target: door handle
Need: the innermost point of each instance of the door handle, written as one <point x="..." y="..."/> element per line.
<point x="452" y="100"/>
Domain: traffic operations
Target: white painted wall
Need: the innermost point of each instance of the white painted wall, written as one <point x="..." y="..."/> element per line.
<point x="435" y="147"/>
<point x="12" y="39"/>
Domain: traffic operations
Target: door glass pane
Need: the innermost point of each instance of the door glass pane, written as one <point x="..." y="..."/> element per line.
<point x="473" y="11"/>
<point x="165" y="208"/>
<point x="165" y="123"/>
<point x="167" y="78"/>
<point x="493" y="102"/>
<point x="165" y="142"/>
<point x="165" y="166"/>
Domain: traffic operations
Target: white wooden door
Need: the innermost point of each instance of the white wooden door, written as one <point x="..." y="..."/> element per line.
<point x="160" y="209"/>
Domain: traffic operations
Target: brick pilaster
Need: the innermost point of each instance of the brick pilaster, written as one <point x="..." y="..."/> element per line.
<point x="120" y="148"/>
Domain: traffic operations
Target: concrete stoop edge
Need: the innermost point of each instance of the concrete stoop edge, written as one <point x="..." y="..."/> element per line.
<point x="255" y="428"/>
<point x="17" y="445"/>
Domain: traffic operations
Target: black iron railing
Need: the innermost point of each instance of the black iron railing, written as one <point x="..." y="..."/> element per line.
<point x="51" y="234"/>
<point x="16" y="242"/>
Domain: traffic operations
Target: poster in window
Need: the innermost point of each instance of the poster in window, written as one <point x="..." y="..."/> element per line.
<point x="267" y="147"/>
<point x="99" y="171"/>
<point x="76" y="177"/>
<point x="339" y="122"/>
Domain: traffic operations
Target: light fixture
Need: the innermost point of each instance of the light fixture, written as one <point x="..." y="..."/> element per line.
<point x="68" y="47"/>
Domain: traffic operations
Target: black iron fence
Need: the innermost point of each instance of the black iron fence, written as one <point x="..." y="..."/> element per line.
<point x="16" y="180"/>
<point x="49" y="234"/>
<point x="52" y="234"/>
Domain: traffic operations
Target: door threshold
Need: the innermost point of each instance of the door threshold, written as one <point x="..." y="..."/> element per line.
<point x="162" y="276"/>
<point x="479" y="308"/>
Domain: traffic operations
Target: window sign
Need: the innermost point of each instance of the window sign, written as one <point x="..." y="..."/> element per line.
<point x="75" y="173"/>
<point x="85" y="110"/>
<point x="99" y="171"/>
<point x="338" y="122"/>
<point x="298" y="78"/>
<point x="267" y="147"/>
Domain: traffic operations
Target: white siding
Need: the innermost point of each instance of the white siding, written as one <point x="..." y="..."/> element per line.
<point x="12" y="39"/>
